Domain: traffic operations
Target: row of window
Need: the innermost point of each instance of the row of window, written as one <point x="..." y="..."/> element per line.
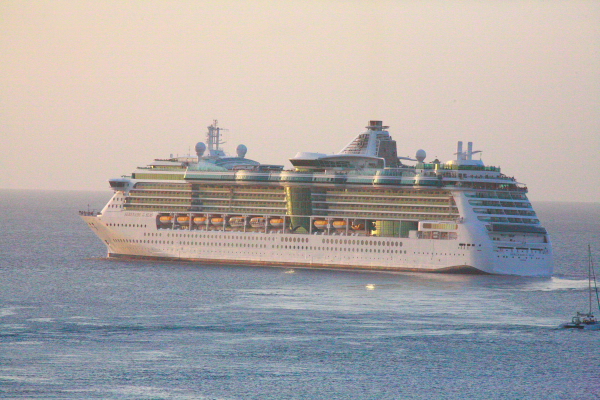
<point x="437" y="226"/>
<point x="261" y="245"/>
<point x="277" y="190"/>
<point x="133" y="200"/>
<point x="342" y="249"/>
<point x="496" y="211"/>
<point x="210" y="236"/>
<point x="241" y="196"/>
<point x="235" y="208"/>
<point x="384" y="214"/>
<point x="389" y="192"/>
<point x="156" y="185"/>
<point x="169" y="177"/>
<point x="491" y="203"/>
<point x="362" y="242"/>
<point x="369" y="207"/>
<point x="128" y="225"/>
<point x="437" y="235"/>
<point x="417" y="195"/>
<point x="271" y="238"/>
<point x="275" y="203"/>
<point x="159" y="193"/>
<point x="497" y="195"/>
<point x="387" y="210"/>
<point x="383" y="199"/>
<point x="163" y="208"/>
<point x="513" y="220"/>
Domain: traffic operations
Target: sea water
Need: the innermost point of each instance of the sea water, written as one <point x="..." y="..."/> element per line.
<point x="75" y="325"/>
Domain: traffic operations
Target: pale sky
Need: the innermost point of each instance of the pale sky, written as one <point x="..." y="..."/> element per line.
<point x="89" y="90"/>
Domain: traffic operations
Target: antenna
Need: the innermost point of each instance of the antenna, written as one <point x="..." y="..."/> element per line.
<point x="213" y="136"/>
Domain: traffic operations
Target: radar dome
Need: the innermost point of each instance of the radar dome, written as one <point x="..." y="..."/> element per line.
<point x="421" y="155"/>
<point x="241" y="151"/>
<point x="200" y="149"/>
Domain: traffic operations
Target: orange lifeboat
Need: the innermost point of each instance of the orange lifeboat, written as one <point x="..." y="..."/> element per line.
<point x="320" y="223"/>
<point x="183" y="219"/>
<point x="216" y="221"/>
<point x="339" y="224"/>
<point x="199" y="220"/>
<point x="276" y="222"/>
<point x="165" y="219"/>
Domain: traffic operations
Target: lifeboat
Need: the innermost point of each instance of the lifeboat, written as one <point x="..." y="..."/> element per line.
<point x="199" y="220"/>
<point x="216" y="221"/>
<point x="237" y="221"/>
<point x="320" y="223"/>
<point x="339" y="224"/>
<point x="183" y="219"/>
<point x="165" y="219"/>
<point x="276" y="222"/>
<point x="257" y="222"/>
<point x="358" y="224"/>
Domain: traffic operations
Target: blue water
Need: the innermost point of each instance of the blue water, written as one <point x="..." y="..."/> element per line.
<point x="74" y="325"/>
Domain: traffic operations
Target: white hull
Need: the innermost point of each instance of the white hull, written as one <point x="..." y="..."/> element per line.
<point x="135" y="235"/>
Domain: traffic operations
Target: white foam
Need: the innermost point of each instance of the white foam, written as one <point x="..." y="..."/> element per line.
<point x="41" y="319"/>
<point x="23" y="379"/>
<point x="153" y="392"/>
<point x="555" y="283"/>
<point x="152" y="355"/>
<point x="6" y="311"/>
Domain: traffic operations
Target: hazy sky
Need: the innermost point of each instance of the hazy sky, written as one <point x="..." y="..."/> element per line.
<point x="91" y="89"/>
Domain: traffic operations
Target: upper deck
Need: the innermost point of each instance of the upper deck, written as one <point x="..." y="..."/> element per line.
<point x="368" y="160"/>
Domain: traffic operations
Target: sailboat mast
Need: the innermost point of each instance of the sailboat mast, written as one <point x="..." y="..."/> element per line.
<point x="593" y="277"/>
<point x="590" y="275"/>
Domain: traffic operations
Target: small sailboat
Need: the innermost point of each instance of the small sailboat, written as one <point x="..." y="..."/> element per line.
<point x="587" y="320"/>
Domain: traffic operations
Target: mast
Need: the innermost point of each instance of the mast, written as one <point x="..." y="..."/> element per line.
<point x="213" y="136"/>
<point x="214" y="139"/>
<point x="592" y="276"/>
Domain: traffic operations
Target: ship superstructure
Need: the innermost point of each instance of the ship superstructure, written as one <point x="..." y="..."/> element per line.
<point x="361" y="208"/>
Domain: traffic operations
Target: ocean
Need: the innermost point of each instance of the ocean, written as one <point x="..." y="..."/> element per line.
<point x="75" y="325"/>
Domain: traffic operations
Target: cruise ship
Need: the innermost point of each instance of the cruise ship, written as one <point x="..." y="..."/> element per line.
<point x="363" y="208"/>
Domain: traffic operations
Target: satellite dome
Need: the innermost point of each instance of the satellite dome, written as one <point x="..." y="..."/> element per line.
<point x="421" y="155"/>
<point x="200" y="149"/>
<point x="241" y="151"/>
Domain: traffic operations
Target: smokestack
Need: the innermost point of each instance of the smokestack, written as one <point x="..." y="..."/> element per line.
<point x="459" y="151"/>
<point x="470" y="151"/>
